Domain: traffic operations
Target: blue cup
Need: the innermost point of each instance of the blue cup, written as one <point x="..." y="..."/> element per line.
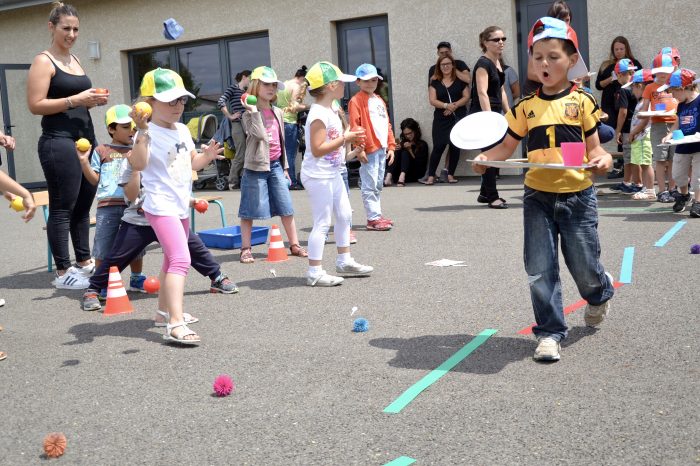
<point x="678" y="134"/>
<point x="660" y="107"/>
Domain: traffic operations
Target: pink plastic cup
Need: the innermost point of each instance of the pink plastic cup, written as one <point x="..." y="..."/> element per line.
<point x="572" y="153"/>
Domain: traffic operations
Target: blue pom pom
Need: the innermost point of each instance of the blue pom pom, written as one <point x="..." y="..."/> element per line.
<point x="360" y="325"/>
<point x="695" y="249"/>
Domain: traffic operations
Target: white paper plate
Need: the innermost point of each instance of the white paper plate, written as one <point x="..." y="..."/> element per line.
<point x="519" y="164"/>
<point x="653" y="113"/>
<point x="479" y="130"/>
<point x="686" y="140"/>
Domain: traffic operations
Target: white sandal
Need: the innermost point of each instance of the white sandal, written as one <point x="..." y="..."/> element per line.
<point x="189" y="318"/>
<point x="181" y="339"/>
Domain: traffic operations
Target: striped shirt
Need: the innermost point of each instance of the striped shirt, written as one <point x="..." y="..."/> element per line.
<point x="232" y="99"/>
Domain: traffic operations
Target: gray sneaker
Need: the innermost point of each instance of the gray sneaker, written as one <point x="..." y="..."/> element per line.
<point x="223" y="285"/>
<point x="594" y="315"/>
<point x="353" y="269"/>
<point x="547" y="350"/>
<point x="90" y="301"/>
<point x="323" y="279"/>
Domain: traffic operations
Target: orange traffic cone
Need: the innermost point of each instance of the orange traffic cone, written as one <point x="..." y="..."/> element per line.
<point x="276" y="252"/>
<point x="117" y="300"/>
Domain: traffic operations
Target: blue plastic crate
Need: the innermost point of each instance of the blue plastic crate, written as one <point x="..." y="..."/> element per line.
<point x="230" y="237"/>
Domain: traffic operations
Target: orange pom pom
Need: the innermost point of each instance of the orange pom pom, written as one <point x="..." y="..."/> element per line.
<point x="55" y="444"/>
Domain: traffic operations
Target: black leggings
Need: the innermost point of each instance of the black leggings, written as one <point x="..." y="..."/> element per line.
<point x="441" y="139"/>
<point x="132" y="239"/>
<point x="70" y="199"/>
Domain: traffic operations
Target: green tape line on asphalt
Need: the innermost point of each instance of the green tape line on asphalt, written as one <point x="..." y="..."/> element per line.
<point x="634" y="209"/>
<point x="403" y="461"/>
<point x="406" y="397"/>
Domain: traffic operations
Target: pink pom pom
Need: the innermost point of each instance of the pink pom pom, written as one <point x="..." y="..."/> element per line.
<point x="223" y="385"/>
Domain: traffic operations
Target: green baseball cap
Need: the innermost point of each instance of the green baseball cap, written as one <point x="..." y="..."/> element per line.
<point x="324" y="72"/>
<point x="266" y="75"/>
<point x="118" y="114"/>
<point x="163" y="85"/>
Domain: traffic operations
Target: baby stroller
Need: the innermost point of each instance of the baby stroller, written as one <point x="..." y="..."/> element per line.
<point x="203" y="128"/>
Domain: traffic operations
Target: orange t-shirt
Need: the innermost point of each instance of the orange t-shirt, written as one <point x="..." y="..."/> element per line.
<point x="655" y="98"/>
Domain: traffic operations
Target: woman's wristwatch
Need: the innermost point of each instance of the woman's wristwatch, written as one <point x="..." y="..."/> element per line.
<point x="143" y="132"/>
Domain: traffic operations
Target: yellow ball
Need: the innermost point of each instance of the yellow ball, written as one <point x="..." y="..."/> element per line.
<point x="82" y="144"/>
<point x="17" y="204"/>
<point x="144" y="107"/>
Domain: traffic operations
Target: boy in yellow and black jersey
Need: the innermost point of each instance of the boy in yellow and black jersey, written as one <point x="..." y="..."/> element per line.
<point x="559" y="205"/>
<point x="547" y="121"/>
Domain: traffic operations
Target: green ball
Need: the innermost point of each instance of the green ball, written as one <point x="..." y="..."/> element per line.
<point x="251" y="100"/>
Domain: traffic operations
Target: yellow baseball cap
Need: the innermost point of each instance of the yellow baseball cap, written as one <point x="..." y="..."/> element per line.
<point x="267" y="75"/>
<point x="118" y="114"/>
<point x="163" y="85"/>
<point x="324" y="72"/>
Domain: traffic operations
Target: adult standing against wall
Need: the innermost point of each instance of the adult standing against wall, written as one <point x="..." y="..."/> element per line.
<point x="462" y="71"/>
<point x="60" y="91"/>
<point x="449" y="95"/>
<point x="489" y="95"/>
<point x="232" y="108"/>
<point x="291" y="101"/>
<point x="607" y="82"/>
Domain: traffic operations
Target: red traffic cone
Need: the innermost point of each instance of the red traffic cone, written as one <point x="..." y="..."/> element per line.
<point x="276" y="251"/>
<point x="117" y="300"/>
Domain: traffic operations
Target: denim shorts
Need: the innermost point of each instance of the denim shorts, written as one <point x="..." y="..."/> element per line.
<point x="106" y="227"/>
<point x="265" y="194"/>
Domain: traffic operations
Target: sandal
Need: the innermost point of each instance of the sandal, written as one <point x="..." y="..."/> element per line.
<point x="502" y="205"/>
<point x="189" y="318"/>
<point x="400" y="184"/>
<point x="298" y="251"/>
<point x="247" y="256"/>
<point x="3" y="355"/>
<point x="181" y="339"/>
<point x="644" y="196"/>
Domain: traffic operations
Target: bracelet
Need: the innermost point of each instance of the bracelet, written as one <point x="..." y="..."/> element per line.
<point x="144" y="132"/>
<point x="343" y="144"/>
<point x="444" y="105"/>
<point x="69" y="103"/>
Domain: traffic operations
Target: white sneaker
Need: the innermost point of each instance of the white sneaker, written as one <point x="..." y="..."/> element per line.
<point x="353" y="269"/>
<point x="594" y="315"/>
<point x="547" y="350"/>
<point x="323" y="279"/>
<point x="85" y="270"/>
<point x="71" y="280"/>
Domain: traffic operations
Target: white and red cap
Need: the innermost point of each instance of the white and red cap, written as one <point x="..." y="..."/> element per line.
<point x="553" y="28"/>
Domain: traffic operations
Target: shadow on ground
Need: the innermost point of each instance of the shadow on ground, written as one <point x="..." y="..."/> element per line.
<point x="429" y="351"/>
<point x="142" y="329"/>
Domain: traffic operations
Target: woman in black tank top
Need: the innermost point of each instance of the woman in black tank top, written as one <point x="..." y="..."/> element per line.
<point x="59" y="90"/>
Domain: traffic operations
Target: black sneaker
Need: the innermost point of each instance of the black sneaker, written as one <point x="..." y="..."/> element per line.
<point x="617" y="187"/>
<point x="615" y="173"/>
<point x="695" y="209"/>
<point x="681" y="201"/>
<point x="90" y="301"/>
<point x="223" y="285"/>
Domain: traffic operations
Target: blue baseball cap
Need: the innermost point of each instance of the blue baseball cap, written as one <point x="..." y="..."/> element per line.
<point x="639" y="76"/>
<point x="624" y="66"/>
<point x="679" y="79"/>
<point x="367" y="71"/>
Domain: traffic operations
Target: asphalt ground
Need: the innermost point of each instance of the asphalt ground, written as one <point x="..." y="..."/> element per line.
<point x="309" y="391"/>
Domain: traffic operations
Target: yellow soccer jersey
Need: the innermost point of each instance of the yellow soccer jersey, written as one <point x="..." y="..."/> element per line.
<point x="547" y="121"/>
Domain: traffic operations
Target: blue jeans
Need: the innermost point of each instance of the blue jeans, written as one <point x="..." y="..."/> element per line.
<point x="265" y="194"/>
<point x="372" y="182"/>
<point x="291" y="143"/>
<point x="573" y="219"/>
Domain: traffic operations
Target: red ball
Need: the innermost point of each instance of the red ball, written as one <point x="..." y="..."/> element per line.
<point x="201" y="206"/>
<point x="151" y="285"/>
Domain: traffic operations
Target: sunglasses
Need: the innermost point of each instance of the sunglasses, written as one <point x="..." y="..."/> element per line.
<point x="182" y="100"/>
<point x="498" y="39"/>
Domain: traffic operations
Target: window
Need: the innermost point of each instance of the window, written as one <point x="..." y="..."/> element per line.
<point x="366" y="41"/>
<point x="207" y="68"/>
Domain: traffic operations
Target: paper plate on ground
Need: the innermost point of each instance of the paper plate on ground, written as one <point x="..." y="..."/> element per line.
<point x="479" y="130"/>
<point x="519" y="163"/>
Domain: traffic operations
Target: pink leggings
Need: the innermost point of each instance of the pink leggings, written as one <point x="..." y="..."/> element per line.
<point x="172" y="234"/>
